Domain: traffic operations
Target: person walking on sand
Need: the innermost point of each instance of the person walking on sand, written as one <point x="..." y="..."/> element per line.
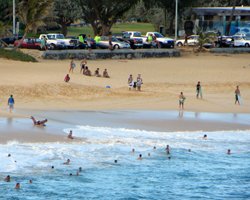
<point x="181" y="101"/>
<point x="11" y="103"/>
<point x="198" y="90"/>
<point x="237" y="95"/>
<point x="72" y="66"/>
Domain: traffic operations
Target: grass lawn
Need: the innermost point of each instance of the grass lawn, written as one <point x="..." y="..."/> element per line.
<point x="16" y="55"/>
<point x="117" y="28"/>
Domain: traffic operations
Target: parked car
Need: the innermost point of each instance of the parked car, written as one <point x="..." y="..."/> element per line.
<point x="133" y="42"/>
<point x="191" y="40"/>
<point x="116" y="44"/>
<point x="160" y="40"/>
<point x="224" y="41"/>
<point x="29" y="43"/>
<point x="241" y="42"/>
<point x="11" y="40"/>
<point x="137" y="37"/>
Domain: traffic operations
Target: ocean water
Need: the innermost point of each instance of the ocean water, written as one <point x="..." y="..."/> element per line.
<point x="205" y="172"/>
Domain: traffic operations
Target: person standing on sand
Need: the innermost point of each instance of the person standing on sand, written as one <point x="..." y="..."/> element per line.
<point x="237" y="95"/>
<point x="130" y="81"/>
<point x="181" y="101"/>
<point x="72" y="66"/>
<point x="198" y="90"/>
<point x="83" y="65"/>
<point x="11" y="103"/>
<point x="139" y="82"/>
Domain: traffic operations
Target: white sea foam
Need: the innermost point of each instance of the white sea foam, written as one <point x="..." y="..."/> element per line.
<point x="105" y="144"/>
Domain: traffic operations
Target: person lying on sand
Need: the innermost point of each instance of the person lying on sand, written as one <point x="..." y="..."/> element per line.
<point x="38" y="122"/>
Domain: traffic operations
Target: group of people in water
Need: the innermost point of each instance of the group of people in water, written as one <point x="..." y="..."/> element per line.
<point x="79" y="170"/>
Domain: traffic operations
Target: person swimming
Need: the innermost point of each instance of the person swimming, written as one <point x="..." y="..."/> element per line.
<point x="167" y="149"/>
<point x="7" y="178"/>
<point x="17" y="186"/>
<point x="140" y="157"/>
<point x="67" y="162"/>
<point x="205" y="137"/>
<point x="229" y="151"/>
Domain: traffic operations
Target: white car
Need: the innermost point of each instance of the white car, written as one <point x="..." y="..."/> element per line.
<point x="241" y="42"/>
<point x="191" y="40"/>
<point x="116" y="44"/>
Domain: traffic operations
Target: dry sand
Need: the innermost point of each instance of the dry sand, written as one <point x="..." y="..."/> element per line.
<point x="40" y="86"/>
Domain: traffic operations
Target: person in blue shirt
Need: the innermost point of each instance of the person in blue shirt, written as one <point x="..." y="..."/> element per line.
<point x="11" y="103"/>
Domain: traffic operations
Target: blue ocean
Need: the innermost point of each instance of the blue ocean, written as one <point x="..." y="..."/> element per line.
<point x="195" y="168"/>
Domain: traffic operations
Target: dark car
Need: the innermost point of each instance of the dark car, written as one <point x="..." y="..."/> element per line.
<point x="29" y="43"/>
<point x="224" y="41"/>
<point x="125" y="37"/>
<point x="11" y="40"/>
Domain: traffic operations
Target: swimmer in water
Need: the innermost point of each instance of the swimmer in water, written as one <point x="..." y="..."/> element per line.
<point x="205" y="137"/>
<point x="115" y="161"/>
<point x="140" y="157"/>
<point x="17" y="186"/>
<point x="70" y="136"/>
<point x="67" y="162"/>
<point x="7" y="178"/>
<point x="229" y="151"/>
<point x="167" y="149"/>
<point x="133" y="151"/>
<point x="149" y="154"/>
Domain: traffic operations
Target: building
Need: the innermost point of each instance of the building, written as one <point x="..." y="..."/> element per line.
<point x="216" y="19"/>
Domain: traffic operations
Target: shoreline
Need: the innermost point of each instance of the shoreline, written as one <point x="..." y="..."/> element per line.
<point x="21" y="129"/>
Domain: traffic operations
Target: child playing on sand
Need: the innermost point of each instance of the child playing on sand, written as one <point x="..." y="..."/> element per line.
<point x="67" y="78"/>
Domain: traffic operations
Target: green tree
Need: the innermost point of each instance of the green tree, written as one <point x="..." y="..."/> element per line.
<point x="66" y="12"/>
<point x="102" y="14"/>
<point x="32" y="14"/>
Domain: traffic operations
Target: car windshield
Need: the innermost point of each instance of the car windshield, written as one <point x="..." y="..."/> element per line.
<point x="137" y="34"/>
<point x="158" y="35"/>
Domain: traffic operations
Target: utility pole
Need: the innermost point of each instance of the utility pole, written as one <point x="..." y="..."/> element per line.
<point x="176" y="19"/>
<point x="14" y="17"/>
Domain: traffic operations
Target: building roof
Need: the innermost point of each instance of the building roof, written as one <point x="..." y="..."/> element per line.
<point x="239" y="10"/>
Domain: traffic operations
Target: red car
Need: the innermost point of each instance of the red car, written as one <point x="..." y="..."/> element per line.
<point x="29" y="43"/>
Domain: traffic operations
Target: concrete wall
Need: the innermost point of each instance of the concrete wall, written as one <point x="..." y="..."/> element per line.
<point x="231" y="50"/>
<point x="107" y="54"/>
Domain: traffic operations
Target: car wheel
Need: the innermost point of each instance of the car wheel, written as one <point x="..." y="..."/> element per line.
<point x="116" y="46"/>
<point x="246" y="45"/>
<point x="179" y="44"/>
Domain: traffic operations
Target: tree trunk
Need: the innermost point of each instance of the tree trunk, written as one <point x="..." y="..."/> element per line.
<point x="106" y="29"/>
<point x="171" y="25"/>
<point x="230" y="19"/>
<point x="64" y="29"/>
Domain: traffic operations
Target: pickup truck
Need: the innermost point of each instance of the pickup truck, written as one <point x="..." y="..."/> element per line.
<point x="139" y="40"/>
<point x="161" y="41"/>
<point x="58" y="41"/>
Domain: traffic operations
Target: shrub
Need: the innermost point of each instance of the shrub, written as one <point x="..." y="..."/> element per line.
<point x="16" y="55"/>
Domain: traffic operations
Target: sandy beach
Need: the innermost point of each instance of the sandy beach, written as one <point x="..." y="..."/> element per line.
<point x="39" y="90"/>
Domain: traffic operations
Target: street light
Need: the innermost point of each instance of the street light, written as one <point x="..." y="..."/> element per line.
<point x="176" y="18"/>
<point x="14" y="17"/>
